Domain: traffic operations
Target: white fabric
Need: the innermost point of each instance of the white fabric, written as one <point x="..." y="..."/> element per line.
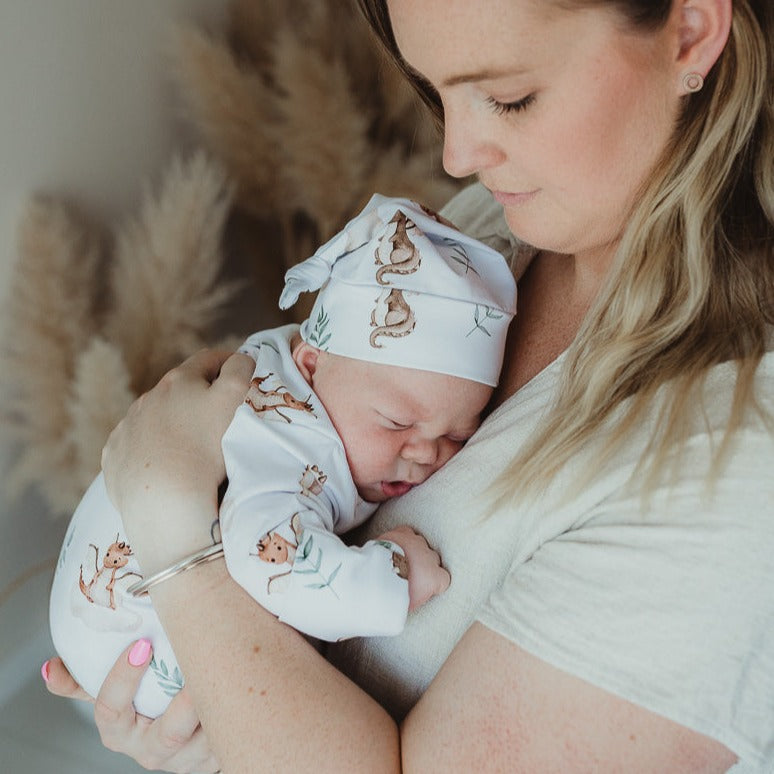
<point x="670" y="606"/>
<point x="399" y="287"/>
<point x="290" y="461"/>
<point x="276" y="469"/>
<point x="90" y="636"/>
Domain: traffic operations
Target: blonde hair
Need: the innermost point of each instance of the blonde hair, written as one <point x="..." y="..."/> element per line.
<point x="693" y="280"/>
<point x="692" y="284"/>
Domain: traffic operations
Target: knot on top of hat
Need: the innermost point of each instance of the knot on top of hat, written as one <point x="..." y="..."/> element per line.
<point x="313" y="273"/>
<point x="400" y="286"/>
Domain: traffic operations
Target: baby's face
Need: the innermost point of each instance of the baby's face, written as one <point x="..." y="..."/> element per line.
<point x="398" y="425"/>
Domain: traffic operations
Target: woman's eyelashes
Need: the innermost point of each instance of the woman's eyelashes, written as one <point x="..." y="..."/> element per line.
<point x="510" y="107"/>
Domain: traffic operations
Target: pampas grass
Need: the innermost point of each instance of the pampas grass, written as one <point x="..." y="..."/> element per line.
<point x="99" y="398"/>
<point x="303" y="119"/>
<point x="308" y="116"/>
<point x="164" y="275"/>
<point x="69" y="369"/>
<point x="48" y="318"/>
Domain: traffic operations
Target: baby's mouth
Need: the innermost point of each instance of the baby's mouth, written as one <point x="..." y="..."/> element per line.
<point x="395" y="488"/>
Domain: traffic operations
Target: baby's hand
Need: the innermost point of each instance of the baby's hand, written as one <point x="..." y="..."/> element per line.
<point x="426" y="577"/>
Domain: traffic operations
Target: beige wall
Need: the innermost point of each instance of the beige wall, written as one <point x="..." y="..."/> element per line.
<point x="87" y="111"/>
<point x="86" y="107"/>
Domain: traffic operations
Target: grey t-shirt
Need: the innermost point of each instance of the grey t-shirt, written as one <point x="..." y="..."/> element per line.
<point x="668" y="604"/>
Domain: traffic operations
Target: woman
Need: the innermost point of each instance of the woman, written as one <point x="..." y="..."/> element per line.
<point x="610" y="529"/>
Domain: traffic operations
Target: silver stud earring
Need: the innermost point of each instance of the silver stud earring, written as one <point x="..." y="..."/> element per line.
<point x="693" y="82"/>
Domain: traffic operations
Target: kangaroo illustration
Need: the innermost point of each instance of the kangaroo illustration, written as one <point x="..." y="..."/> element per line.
<point x="392" y="317"/>
<point x="276" y="549"/>
<point x="404" y="258"/>
<point x="116" y="556"/>
<point x="262" y="401"/>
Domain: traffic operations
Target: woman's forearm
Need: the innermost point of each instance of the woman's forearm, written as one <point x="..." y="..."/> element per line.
<point x="265" y="697"/>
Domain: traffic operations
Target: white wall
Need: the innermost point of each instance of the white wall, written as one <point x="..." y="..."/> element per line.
<point x="87" y="110"/>
<point x="86" y="105"/>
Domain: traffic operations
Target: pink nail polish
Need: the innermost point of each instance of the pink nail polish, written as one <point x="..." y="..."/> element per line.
<point x="44" y="671"/>
<point x="139" y="653"/>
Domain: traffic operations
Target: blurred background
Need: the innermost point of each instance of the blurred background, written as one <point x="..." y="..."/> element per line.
<point x="168" y="138"/>
<point x="86" y="114"/>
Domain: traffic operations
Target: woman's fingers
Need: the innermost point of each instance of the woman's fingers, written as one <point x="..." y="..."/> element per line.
<point x="114" y="709"/>
<point x="180" y="722"/>
<point x="173" y="742"/>
<point x="179" y="735"/>
<point x="60" y="682"/>
<point x="237" y="371"/>
<point x="205" y="363"/>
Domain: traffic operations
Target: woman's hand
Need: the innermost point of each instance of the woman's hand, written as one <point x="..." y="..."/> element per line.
<point x="426" y="577"/>
<point x="163" y="463"/>
<point x="172" y="742"/>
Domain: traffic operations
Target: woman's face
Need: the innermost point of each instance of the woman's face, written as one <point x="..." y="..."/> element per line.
<point x="561" y="113"/>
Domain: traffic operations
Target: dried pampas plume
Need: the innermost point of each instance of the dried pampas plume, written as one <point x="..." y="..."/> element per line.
<point x="47" y="320"/>
<point x="308" y="115"/>
<point x="165" y="271"/>
<point x="70" y="370"/>
<point x="99" y="398"/>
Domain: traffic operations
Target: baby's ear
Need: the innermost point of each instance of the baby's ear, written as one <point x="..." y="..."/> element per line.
<point x="305" y="357"/>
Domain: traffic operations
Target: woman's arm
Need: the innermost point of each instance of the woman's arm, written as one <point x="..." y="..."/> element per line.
<point x="265" y="697"/>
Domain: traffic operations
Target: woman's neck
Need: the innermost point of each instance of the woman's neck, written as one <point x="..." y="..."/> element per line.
<point x="555" y="293"/>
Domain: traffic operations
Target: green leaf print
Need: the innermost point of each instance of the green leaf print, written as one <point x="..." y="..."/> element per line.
<point x="319" y="336"/>
<point x="270" y="345"/>
<point x="314" y="568"/>
<point x="66" y="545"/>
<point x="459" y="254"/>
<point x="478" y="320"/>
<point x="170" y="683"/>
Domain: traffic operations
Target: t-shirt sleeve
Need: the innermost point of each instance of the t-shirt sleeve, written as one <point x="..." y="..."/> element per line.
<point x="667" y="602"/>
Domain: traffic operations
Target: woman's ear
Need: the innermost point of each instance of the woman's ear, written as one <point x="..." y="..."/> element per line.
<point x="703" y="28"/>
<point x="305" y="357"/>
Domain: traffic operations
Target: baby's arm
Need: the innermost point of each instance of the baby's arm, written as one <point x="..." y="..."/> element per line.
<point x="426" y="577"/>
<point x="304" y="574"/>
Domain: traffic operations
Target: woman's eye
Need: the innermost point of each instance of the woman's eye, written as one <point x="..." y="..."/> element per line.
<point x="519" y="105"/>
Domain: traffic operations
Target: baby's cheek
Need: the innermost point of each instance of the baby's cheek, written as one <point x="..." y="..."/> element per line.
<point x="448" y="449"/>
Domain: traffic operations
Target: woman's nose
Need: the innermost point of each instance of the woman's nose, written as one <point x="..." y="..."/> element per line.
<point x="466" y="148"/>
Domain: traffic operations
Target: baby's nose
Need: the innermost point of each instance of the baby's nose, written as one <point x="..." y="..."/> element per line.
<point x="423" y="451"/>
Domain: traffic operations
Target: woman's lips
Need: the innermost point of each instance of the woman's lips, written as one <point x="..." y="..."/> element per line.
<point x="514" y="199"/>
<point x="395" y="488"/>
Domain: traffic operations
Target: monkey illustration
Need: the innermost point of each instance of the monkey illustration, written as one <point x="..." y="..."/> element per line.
<point x="116" y="556"/>
<point x="262" y="401"/>
<point x="276" y="549"/>
<point x="391" y="317"/>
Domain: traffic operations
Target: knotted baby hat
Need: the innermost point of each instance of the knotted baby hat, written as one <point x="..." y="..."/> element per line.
<point x="401" y="287"/>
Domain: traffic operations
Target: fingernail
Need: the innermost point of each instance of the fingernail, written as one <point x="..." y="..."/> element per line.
<point x="44" y="671"/>
<point x="139" y="653"/>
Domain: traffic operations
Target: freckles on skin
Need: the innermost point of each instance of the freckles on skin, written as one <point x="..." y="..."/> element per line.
<point x="603" y="111"/>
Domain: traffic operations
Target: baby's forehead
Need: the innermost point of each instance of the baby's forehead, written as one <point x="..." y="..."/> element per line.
<point x="433" y="394"/>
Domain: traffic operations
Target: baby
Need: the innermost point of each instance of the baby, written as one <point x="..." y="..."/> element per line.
<point x="372" y="394"/>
